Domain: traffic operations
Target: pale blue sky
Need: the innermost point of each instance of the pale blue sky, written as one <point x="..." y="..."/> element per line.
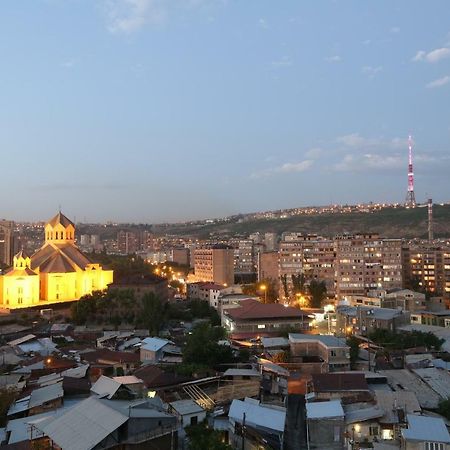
<point x="152" y="110"/>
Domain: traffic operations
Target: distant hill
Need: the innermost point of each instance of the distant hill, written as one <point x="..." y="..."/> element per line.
<point x="389" y="222"/>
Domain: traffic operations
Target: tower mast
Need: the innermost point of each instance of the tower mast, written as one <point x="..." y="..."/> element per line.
<point x="410" y="197"/>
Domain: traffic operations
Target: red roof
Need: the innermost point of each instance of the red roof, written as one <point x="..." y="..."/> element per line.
<point x="252" y="309"/>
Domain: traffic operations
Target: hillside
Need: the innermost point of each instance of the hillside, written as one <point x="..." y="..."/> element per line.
<point x="390" y="222"/>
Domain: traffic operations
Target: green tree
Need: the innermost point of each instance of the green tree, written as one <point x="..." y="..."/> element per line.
<point x="298" y="284"/>
<point x="202" y="347"/>
<point x="7" y="398"/>
<point x="200" y="437"/>
<point x="284" y="283"/>
<point x="318" y="292"/>
<point x="353" y="343"/>
<point x="154" y="313"/>
<point x="444" y="408"/>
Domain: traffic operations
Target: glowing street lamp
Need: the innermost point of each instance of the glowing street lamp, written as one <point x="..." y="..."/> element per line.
<point x="263" y="287"/>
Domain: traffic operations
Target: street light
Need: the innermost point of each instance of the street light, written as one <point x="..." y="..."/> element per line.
<point x="263" y="287"/>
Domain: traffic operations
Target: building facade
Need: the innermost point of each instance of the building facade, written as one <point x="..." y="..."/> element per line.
<point x="214" y="264"/>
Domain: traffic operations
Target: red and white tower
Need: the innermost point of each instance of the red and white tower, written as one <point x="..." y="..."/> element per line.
<point x="410" y="197"/>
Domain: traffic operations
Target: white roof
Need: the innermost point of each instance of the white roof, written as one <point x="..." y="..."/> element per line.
<point x="324" y="410"/>
<point x="423" y="428"/>
<point x="257" y="414"/>
<point x="154" y="343"/>
<point x="241" y="373"/>
<point x="83" y="426"/>
<point x="105" y="386"/>
<point x="184" y="407"/>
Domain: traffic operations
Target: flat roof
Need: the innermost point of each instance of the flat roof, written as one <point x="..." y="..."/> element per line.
<point x="324" y="410"/>
<point x="241" y="372"/>
<point x="325" y="339"/>
<point x="184" y="407"/>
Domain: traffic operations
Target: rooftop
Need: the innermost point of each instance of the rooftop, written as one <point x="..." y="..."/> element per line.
<point x="325" y="339"/>
<point x="324" y="410"/>
<point x="253" y="309"/>
<point x="257" y="414"/>
<point x="154" y="344"/>
<point x="426" y="429"/>
<point x="332" y="382"/>
<point x="184" y="407"/>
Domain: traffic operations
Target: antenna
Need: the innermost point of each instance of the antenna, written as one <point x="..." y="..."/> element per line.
<point x="410" y="196"/>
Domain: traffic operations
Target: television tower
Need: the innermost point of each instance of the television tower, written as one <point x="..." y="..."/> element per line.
<point x="430" y="219"/>
<point x="410" y="197"/>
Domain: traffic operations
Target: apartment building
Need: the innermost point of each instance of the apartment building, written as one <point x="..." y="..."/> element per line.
<point x="311" y="255"/>
<point x="214" y="264"/>
<point x="244" y="262"/>
<point x="427" y="266"/>
<point x="366" y="261"/>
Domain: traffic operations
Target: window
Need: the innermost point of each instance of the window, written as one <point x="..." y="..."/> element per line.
<point x="261" y="326"/>
<point x="434" y="446"/>
<point x="194" y="420"/>
<point x="373" y="431"/>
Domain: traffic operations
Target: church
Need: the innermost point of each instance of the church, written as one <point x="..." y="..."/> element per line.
<point x="57" y="272"/>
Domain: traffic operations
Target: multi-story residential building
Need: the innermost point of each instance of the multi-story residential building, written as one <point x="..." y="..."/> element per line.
<point x="7" y="242"/>
<point x="365" y="262"/>
<point x="332" y="351"/>
<point x="267" y="266"/>
<point x="427" y="266"/>
<point x="310" y="255"/>
<point x="243" y="256"/>
<point x="127" y="242"/>
<point x="215" y="264"/>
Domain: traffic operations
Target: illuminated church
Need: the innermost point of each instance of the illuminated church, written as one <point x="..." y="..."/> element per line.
<point x="57" y="272"/>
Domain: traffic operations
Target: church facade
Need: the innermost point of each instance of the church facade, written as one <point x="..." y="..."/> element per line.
<point x="57" y="272"/>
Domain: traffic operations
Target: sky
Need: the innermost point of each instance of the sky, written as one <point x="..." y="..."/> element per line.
<point x="171" y="110"/>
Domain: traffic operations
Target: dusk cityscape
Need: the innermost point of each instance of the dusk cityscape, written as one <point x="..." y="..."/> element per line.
<point x="225" y="225"/>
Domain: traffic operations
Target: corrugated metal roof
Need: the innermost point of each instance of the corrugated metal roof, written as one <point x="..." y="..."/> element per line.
<point x="105" y="386"/>
<point x="268" y="342"/>
<point x="426" y="429"/>
<point x="154" y="344"/>
<point x="241" y="372"/>
<point x="258" y="415"/>
<point x="184" y="407"/>
<point x="46" y="394"/>
<point x="83" y="426"/>
<point x="324" y="410"/>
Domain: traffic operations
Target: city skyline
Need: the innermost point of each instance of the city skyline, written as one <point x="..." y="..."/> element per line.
<point x="151" y="111"/>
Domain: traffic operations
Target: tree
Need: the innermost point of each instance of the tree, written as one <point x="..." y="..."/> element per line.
<point x="7" y="398"/>
<point x="318" y="292"/>
<point x="353" y="343"/>
<point x="202" y="347"/>
<point x="298" y="283"/>
<point x="268" y="293"/>
<point x="444" y="408"/>
<point x="154" y="313"/>
<point x="201" y="437"/>
<point x="284" y="283"/>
